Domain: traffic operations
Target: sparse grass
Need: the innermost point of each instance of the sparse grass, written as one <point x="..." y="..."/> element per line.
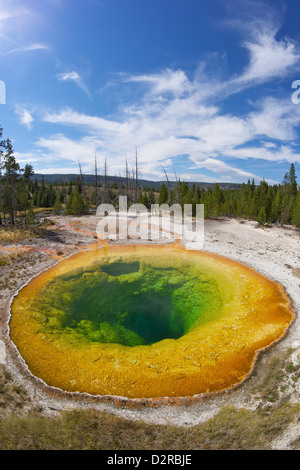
<point x="278" y="371"/>
<point x="39" y="210"/>
<point x="296" y="444"/>
<point x="80" y="430"/>
<point x="12" y="396"/>
<point x="17" y="233"/>
<point x="296" y="272"/>
<point x="44" y="228"/>
<point x="14" y="234"/>
<point x="47" y="223"/>
<point x="230" y="428"/>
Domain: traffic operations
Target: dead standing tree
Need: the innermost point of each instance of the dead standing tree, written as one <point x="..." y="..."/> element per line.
<point x="169" y="186"/>
<point x="128" y="186"/>
<point x="81" y="179"/>
<point x="136" y="176"/>
<point x="96" y="181"/>
<point x="105" y="198"/>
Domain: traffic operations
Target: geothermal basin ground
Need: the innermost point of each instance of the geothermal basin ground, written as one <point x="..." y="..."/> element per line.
<point x="272" y="251"/>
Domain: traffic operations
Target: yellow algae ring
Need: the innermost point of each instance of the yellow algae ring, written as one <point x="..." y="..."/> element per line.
<point x="147" y="321"/>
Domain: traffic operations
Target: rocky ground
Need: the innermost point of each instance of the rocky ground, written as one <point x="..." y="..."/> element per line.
<point x="273" y="251"/>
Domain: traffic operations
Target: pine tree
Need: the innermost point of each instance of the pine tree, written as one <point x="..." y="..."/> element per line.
<point x="276" y="208"/>
<point x="75" y="205"/>
<point x="23" y="197"/>
<point x="259" y="199"/>
<point x="62" y="195"/>
<point x="30" y="215"/>
<point x="10" y="180"/>
<point x="145" y="200"/>
<point x="163" y="195"/>
<point x="262" y="216"/>
<point x="187" y="198"/>
<point x="217" y="200"/>
<point x="151" y="197"/>
<point x="287" y="211"/>
<point x="183" y="190"/>
<point x="69" y="207"/>
<point x="57" y="207"/>
<point x="28" y="171"/>
<point x="290" y="182"/>
<point x="78" y="207"/>
<point x="296" y="211"/>
<point x="207" y="201"/>
<point x="70" y="188"/>
<point x="51" y="195"/>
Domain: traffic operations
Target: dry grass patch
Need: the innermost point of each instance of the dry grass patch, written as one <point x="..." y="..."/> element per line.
<point x="12" y="397"/>
<point x="296" y="272"/>
<point x="4" y="260"/>
<point x="229" y="429"/>
<point x="279" y="373"/>
<point x="15" y="234"/>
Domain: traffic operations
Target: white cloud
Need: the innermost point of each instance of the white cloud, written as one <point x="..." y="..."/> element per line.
<point x="162" y="132"/>
<point x="174" y="115"/>
<point x="29" y="48"/>
<point x="167" y="81"/>
<point x="181" y="124"/>
<point x="228" y="172"/>
<point x="276" y="118"/>
<point x="25" y="115"/>
<point x="269" y="58"/>
<point x="74" y="76"/>
<point x="25" y="157"/>
<point x="284" y="153"/>
<point x="5" y="15"/>
<point x="70" y="117"/>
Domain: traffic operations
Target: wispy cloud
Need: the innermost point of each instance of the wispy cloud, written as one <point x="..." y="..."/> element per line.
<point x="269" y="58"/>
<point x="5" y="15"/>
<point x="172" y="115"/>
<point x="25" y="116"/>
<point x="259" y="23"/>
<point x="29" y="48"/>
<point x="164" y="130"/>
<point x="75" y="77"/>
<point x="167" y="81"/>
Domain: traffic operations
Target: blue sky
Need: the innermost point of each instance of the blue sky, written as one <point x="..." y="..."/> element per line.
<point x="201" y="88"/>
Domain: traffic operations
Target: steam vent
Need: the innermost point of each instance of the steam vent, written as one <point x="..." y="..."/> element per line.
<point x="147" y="321"/>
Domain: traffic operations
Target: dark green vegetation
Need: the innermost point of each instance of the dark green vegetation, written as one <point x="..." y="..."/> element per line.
<point x="230" y="428"/>
<point x="89" y="180"/>
<point x="149" y="303"/>
<point x="22" y="194"/>
<point x="263" y="203"/>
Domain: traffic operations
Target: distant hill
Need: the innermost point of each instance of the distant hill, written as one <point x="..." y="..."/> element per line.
<point x="57" y="178"/>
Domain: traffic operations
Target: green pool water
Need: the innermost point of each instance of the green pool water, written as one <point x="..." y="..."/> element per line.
<point x="129" y="303"/>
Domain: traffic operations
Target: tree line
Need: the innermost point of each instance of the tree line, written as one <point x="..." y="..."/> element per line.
<point x="21" y="192"/>
<point x="264" y="203"/>
<point x="14" y="181"/>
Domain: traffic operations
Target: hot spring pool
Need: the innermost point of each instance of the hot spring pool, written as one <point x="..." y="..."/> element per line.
<point x="146" y="321"/>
